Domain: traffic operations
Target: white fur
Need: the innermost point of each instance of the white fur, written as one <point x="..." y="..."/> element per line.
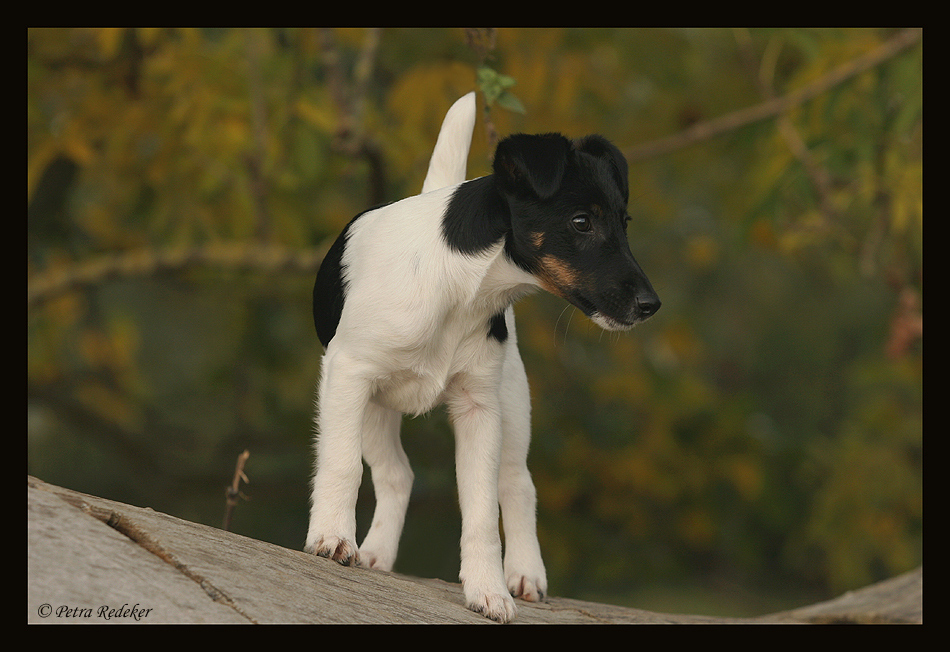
<point x="413" y="335"/>
<point x="449" y="161"/>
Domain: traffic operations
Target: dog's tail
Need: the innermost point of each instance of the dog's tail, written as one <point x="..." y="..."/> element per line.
<point x="449" y="162"/>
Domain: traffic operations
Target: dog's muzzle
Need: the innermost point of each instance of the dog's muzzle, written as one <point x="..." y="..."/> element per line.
<point x="616" y="311"/>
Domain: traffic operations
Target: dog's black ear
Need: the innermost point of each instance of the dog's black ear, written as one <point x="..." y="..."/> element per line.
<point x="600" y="147"/>
<point x="531" y="165"/>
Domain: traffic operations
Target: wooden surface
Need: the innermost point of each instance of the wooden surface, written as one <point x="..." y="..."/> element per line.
<point x="97" y="561"/>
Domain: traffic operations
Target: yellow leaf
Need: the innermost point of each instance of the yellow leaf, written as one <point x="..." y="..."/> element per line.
<point x="322" y="117"/>
<point x="109" y="40"/>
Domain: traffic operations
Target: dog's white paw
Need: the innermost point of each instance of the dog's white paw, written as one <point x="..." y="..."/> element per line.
<point x="499" y="607"/>
<point x="339" y="549"/>
<point x="525" y="574"/>
<point x="369" y="558"/>
<point x="527" y="588"/>
<point x="379" y="548"/>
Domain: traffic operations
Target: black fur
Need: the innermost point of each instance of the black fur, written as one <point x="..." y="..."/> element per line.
<point x="329" y="290"/>
<point x="561" y="208"/>
<point x="546" y="183"/>
<point x="476" y="217"/>
<point x="497" y="328"/>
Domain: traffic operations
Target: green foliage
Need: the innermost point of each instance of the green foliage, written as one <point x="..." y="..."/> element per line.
<point x="494" y="87"/>
<point x="765" y="427"/>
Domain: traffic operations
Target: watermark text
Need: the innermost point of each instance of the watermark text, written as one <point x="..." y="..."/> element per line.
<point x="102" y="612"/>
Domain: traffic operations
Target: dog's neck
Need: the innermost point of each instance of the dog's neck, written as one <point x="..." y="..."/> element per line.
<point x="477" y="223"/>
<point x="504" y="282"/>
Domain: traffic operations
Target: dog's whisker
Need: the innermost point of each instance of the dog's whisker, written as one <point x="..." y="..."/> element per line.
<point x="557" y="323"/>
<point x="573" y="312"/>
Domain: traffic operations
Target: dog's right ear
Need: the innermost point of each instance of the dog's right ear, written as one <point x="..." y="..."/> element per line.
<point x="531" y="165"/>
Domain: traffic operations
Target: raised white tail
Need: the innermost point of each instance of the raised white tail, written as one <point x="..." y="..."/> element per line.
<point x="449" y="163"/>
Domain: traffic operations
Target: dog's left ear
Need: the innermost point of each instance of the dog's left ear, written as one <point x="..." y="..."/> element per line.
<point x="600" y="147"/>
<point x="531" y="165"/>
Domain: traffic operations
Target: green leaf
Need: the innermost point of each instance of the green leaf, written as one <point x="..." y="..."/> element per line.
<point x="510" y="102"/>
<point x="495" y="88"/>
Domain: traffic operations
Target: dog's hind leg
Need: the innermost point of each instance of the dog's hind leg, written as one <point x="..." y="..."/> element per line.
<point x="392" y="483"/>
<point x="524" y="568"/>
<point x="343" y="397"/>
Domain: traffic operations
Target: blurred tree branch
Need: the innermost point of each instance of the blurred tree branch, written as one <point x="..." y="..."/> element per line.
<point x="763" y="72"/>
<point x="775" y="106"/>
<point x="148" y="262"/>
<point x="350" y="99"/>
<point x="255" y="160"/>
<point x="482" y="41"/>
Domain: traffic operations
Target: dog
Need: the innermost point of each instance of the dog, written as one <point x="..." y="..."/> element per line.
<point x="413" y="304"/>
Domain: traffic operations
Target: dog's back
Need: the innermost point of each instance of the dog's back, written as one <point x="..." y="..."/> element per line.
<point x="447" y="167"/>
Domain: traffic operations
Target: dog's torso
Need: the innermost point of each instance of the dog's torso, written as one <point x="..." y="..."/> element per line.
<point x="414" y="312"/>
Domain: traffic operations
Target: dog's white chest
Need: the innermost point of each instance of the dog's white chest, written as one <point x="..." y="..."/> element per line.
<point x="410" y="392"/>
<point x="426" y="374"/>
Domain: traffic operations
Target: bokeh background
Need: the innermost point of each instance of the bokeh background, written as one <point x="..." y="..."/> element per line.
<point x="756" y="445"/>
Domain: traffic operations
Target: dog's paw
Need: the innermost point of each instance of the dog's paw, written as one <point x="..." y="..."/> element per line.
<point x="374" y="560"/>
<point x="499" y="607"/>
<point x="379" y="551"/>
<point x="525" y="574"/>
<point x="338" y="549"/>
<point x="528" y="589"/>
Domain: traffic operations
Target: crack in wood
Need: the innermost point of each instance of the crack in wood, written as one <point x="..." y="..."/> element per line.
<point x="126" y="527"/>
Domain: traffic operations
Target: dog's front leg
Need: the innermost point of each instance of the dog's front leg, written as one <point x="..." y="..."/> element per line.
<point x="476" y="417"/>
<point x="343" y="396"/>
<point x="524" y="568"/>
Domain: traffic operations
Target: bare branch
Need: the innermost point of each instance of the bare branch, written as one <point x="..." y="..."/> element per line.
<point x="703" y="131"/>
<point x="350" y="99"/>
<point x="256" y="158"/>
<point x="482" y="40"/>
<point x="270" y="259"/>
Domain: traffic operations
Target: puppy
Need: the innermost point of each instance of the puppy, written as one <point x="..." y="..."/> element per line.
<point x="413" y="303"/>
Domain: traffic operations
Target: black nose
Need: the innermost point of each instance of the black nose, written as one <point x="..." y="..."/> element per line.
<point x="647" y="304"/>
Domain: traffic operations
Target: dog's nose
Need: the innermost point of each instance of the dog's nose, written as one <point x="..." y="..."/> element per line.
<point x="647" y="304"/>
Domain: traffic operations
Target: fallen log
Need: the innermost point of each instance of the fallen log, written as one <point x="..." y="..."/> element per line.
<point x="94" y="560"/>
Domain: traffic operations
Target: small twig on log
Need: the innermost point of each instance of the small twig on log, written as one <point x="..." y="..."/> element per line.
<point x="234" y="491"/>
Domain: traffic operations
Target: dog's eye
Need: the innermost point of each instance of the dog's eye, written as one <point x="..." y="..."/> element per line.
<point x="581" y="222"/>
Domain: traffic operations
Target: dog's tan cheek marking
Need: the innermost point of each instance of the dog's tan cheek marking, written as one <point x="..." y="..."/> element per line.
<point x="536" y="239"/>
<point x="557" y="276"/>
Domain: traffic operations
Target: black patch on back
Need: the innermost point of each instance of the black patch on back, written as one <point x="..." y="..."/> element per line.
<point x="497" y="328"/>
<point x="476" y="217"/>
<point x="329" y="290"/>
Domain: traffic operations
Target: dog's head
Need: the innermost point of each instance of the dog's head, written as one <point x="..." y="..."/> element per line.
<point x="568" y="206"/>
